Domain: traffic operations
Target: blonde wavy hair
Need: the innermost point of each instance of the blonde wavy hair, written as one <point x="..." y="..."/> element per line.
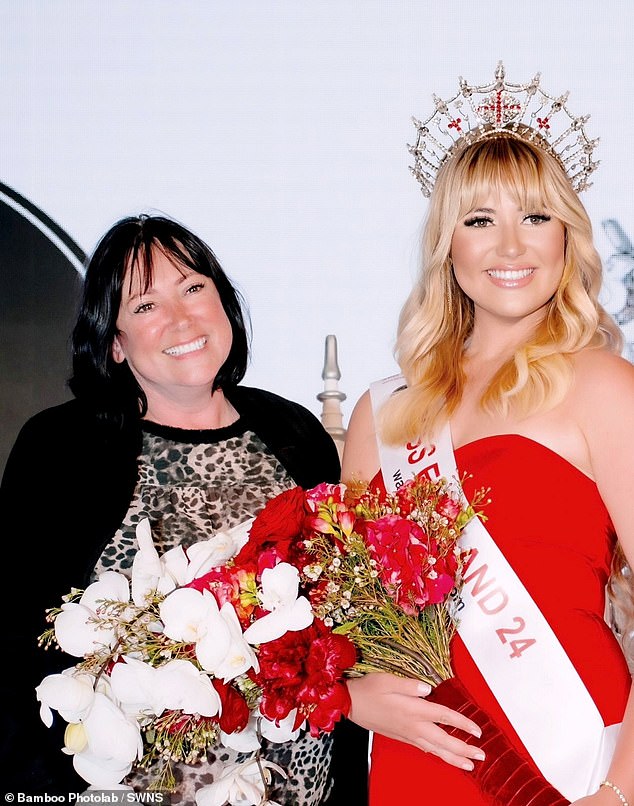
<point x="437" y="318"/>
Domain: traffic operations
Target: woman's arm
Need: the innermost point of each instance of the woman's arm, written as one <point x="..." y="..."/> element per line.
<point x="605" y="395"/>
<point x="360" y="454"/>
<point x="390" y="705"/>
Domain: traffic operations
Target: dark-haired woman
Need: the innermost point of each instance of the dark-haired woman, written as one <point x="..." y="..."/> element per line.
<point x="159" y="428"/>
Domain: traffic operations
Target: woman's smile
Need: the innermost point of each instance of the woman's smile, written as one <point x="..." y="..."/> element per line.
<point x="511" y="278"/>
<point x="186" y="349"/>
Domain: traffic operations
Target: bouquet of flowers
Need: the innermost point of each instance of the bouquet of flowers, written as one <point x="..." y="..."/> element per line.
<point x="386" y="570"/>
<point x="199" y="648"/>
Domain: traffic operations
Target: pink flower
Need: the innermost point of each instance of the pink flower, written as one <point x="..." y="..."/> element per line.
<point x="408" y="562"/>
<point x="405" y="498"/>
<point x="449" y="507"/>
<point x="324" y="493"/>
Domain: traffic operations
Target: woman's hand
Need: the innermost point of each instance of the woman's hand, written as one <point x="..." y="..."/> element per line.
<point x="396" y="708"/>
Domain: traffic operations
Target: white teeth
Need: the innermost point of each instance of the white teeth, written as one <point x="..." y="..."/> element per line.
<point x="182" y="349"/>
<point x="509" y="274"/>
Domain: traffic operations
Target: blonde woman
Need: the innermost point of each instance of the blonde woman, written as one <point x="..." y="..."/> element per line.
<point x="505" y="350"/>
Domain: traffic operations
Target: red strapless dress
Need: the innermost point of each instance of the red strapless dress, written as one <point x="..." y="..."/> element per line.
<point x="550" y="522"/>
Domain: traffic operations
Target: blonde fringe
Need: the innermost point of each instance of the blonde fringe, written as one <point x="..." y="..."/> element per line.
<point x="437" y="318"/>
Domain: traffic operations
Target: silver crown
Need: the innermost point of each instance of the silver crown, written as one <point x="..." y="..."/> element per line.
<point x="524" y="111"/>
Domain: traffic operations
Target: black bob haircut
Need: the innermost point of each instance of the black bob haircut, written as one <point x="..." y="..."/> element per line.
<point x="111" y="388"/>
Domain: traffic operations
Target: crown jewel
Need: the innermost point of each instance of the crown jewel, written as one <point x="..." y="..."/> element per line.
<point x="524" y="111"/>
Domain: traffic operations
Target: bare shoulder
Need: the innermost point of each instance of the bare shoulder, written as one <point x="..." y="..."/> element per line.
<point x="603" y="391"/>
<point x="602" y="377"/>
<point x="362" y="411"/>
<point x="360" y="453"/>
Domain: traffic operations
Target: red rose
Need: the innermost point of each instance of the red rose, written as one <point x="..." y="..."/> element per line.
<point x="234" y="713"/>
<point x="281" y="518"/>
<point x="276" y="526"/>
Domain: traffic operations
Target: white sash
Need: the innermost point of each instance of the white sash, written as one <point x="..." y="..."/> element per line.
<point x="510" y="640"/>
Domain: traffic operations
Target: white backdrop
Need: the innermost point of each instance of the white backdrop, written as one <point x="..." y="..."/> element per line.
<point x="277" y="131"/>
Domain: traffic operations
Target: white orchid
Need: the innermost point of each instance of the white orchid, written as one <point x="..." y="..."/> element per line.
<point x="184" y="688"/>
<point x="176" y="685"/>
<point x="75" y="628"/>
<point x="112" y="743"/>
<point x="212" y="553"/>
<point x="70" y="693"/>
<point x="241" y="784"/>
<point x="287" y="611"/>
<point x="248" y="739"/>
<point x="186" y="613"/>
<point x="237" y="659"/>
<point x="153" y="573"/>
<point x="282" y="732"/>
<point x="104" y="742"/>
<point x="245" y="740"/>
<point x="194" y="617"/>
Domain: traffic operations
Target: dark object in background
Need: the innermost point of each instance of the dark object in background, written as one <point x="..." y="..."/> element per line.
<point x="40" y="280"/>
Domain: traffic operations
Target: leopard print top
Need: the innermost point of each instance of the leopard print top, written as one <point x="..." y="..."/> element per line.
<point x="190" y="485"/>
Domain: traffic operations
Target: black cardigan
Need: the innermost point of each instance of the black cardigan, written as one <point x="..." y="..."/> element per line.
<point x="66" y="488"/>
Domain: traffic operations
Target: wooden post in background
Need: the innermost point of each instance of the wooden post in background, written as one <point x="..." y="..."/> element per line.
<point x="331" y="398"/>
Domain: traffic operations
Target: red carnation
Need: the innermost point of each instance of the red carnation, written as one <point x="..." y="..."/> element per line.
<point x="305" y="670"/>
<point x="329" y="710"/>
